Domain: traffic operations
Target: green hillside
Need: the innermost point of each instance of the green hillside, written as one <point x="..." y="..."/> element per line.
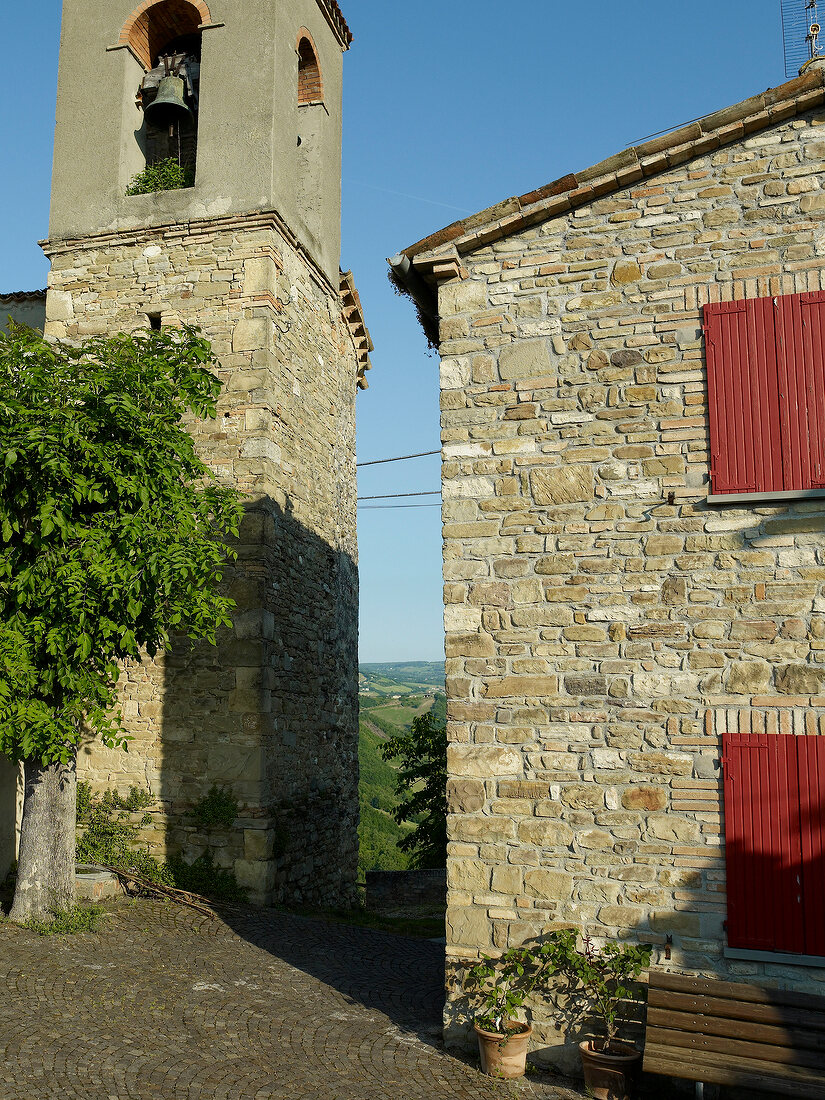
<point x="377" y="776"/>
<point x="383" y="717"/>
<point x="378" y="834"/>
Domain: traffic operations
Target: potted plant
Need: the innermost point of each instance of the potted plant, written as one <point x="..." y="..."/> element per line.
<point x="599" y="977"/>
<point x="499" y="987"/>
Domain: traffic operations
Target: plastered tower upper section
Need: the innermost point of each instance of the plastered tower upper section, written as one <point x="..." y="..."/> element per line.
<point x="268" y="115"/>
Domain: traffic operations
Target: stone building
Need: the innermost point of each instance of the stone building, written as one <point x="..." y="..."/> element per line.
<point x="633" y="589"/>
<point x="249" y="253"/>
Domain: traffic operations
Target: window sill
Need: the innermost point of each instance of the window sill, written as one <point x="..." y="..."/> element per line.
<point x="759" y="498"/>
<point x="162" y="191"/>
<point x="778" y="958"/>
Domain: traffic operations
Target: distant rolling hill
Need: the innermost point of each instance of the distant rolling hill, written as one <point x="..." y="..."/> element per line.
<point x="401" y="678"/>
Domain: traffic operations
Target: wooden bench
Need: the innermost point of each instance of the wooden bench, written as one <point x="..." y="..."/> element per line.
<point x="744" y="1035"/>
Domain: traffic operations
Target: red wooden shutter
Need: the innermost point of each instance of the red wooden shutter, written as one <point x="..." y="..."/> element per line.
<point x="750" y="830"/>
<point x="812" y="308"/>
<point x="812" y="829"/>
<point x="775" y="842"/>
<point x="766" y="439"/>
<point x="730" y="402"/>
<point x="787" y="903"/>
<point x="766" y="393"/>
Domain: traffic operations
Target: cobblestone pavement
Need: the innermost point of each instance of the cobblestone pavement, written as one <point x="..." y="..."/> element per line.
<point x="164" y="1003"/>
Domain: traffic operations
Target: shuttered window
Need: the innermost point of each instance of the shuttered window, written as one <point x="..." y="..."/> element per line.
<point x="766" y="393"/>
<point x="775" y="842"/>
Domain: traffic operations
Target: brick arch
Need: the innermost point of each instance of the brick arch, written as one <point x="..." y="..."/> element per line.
<point x="310" y="84"/>
<point x="153" y="23"/>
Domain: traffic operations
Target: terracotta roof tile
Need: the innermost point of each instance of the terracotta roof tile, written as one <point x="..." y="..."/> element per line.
<point x="335" y="17"/>
<point x="23" y="296"/>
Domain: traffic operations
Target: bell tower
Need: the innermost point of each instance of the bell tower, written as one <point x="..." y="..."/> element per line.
<point x="263" y="131"/>
<point x="238" y="106"/>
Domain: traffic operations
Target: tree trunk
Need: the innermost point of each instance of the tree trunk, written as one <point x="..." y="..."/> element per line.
<point x="45" y="867"/>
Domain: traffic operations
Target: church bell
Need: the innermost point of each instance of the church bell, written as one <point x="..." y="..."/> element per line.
<point x="168" y="106"/>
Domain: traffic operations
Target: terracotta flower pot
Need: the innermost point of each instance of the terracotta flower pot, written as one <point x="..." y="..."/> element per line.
<point x="504" y="1055"/>
<point x="609" y="1076"/>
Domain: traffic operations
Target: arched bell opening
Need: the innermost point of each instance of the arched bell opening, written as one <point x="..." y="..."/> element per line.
<point x="156" y="23"/>
<point x="166" y="37"/>
<point x="310" y="86"/>
<point x="311" y="118"/>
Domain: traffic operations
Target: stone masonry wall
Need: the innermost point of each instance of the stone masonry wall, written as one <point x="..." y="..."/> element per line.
<point x="271" y="712"/>
<point x="603" y="620"/>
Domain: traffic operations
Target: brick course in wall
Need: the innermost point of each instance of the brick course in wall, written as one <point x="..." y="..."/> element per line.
<point x="271" y="712"/>
<point x="605" y="622"/>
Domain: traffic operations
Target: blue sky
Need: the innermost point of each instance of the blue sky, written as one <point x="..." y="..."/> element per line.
<point x="449" y="106"/>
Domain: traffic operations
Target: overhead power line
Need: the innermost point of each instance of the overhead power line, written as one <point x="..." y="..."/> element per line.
<point x="669" y="130"/>
<point x="389" y="496"/>
<point x="386" y="507"/>
<point x="401" y="458"/>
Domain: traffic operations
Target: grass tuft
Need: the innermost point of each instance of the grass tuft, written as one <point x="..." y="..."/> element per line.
<point x="418" y="927"/>
<point x="69" y="922"/>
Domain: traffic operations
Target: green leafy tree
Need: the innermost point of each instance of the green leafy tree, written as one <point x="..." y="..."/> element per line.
<point x="421" y="785"/>
<point x="112" y="538"/>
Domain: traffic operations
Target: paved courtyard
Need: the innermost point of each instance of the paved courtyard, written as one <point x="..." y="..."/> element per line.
<point x="164" y="1003"/>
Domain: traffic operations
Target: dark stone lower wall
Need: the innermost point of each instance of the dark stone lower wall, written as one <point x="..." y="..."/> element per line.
<point x="407" y="889"/>
<point x="315" y="847"/>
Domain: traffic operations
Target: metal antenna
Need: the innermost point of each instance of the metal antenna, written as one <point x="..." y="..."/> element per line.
<point x="813" y="29"/>
<point x="801" y="32"/>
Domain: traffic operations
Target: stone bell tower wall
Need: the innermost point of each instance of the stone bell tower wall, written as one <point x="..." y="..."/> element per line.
<point x="271" y="712"/>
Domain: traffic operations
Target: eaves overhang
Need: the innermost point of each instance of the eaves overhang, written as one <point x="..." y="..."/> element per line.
<point x="335" y="17"/>
<point x="19" y="296"/>
<point x="353" y="314"/>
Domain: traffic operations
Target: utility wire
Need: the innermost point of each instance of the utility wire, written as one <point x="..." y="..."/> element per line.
<point x="386" y="507"/>
<point x="389" y="496"/>
<point x="415" y="198"/>
<point x="669" y="130"/>
<point x="402" y="458"/>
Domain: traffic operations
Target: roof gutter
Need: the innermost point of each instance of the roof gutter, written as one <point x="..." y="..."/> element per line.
<point x="424" y="296"/>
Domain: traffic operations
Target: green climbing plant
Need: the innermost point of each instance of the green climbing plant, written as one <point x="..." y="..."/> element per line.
<point x="217" y="809"/>
<point x="108" y="835"/>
